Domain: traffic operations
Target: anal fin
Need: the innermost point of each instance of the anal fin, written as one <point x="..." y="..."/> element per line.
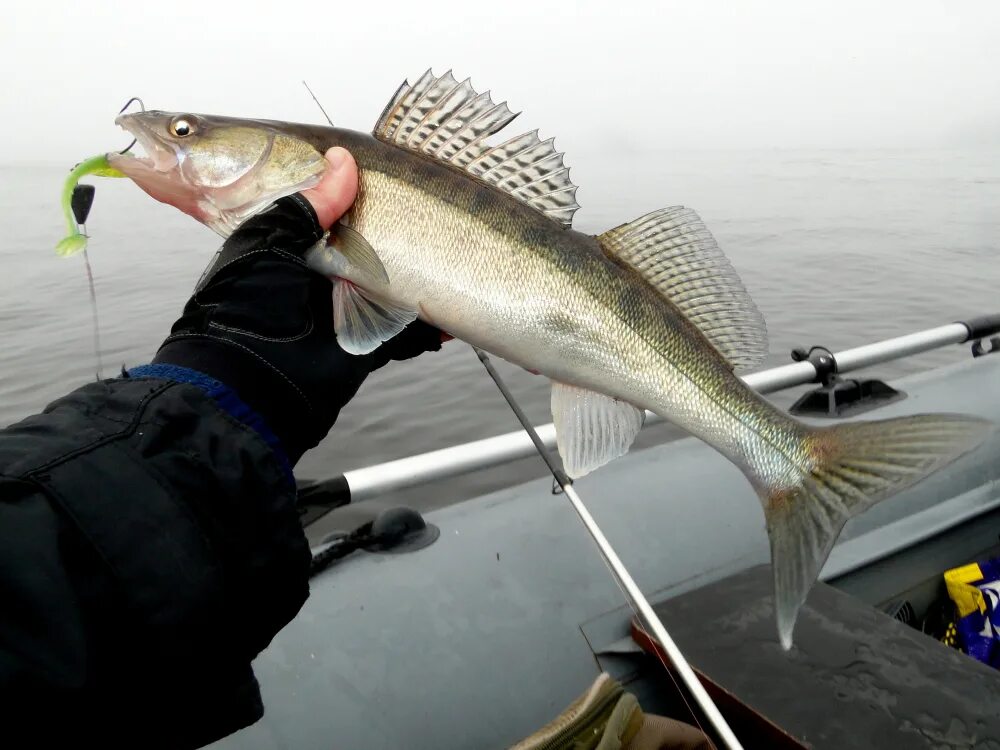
<point x="591" y="428"/>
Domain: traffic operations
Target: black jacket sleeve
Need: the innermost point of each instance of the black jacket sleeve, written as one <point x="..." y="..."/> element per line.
<point x="149" y="549"/>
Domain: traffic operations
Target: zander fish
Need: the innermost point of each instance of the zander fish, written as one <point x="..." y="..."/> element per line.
<point x="476" y="239"/>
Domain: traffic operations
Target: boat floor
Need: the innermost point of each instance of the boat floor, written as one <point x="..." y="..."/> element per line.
<point x="855" y="678"/>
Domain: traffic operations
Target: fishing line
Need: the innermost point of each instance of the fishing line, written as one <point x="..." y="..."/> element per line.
<point x="633" y="595"/>
<point x="93" y="312"/>
<point x="82" y="200"/>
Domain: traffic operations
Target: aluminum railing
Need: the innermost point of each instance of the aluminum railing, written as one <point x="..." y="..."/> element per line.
<point x="372" y="481"/>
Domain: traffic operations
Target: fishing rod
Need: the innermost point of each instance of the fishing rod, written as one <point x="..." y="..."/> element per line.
<point x="623" y="578"/>
<point x="626" y="583"/>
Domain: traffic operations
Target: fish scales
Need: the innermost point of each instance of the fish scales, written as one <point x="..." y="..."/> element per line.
<point x="423" y="217"/>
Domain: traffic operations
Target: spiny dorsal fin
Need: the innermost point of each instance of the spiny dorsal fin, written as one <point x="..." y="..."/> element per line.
<point x="674" y="251"/>
<point x="450" y="121"/>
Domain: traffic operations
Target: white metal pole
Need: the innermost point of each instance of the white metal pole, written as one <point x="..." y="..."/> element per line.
<point x="372" y="481"/>
<point x="628" y="585"/>
<point x="652" y="621"/>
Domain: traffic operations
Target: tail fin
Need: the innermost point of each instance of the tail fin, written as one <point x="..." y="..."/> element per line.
<point x="856" y="465"/>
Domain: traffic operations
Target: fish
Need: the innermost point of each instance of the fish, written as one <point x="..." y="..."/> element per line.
<point x="473" y="234"/>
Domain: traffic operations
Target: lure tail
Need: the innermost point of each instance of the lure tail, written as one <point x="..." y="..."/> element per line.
<point x="74" y="241"/>
<point x="856" y="465"/>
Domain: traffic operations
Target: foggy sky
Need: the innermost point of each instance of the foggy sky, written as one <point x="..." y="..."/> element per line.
<point x="598" y="75"/>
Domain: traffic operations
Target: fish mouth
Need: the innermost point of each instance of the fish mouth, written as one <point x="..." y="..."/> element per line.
<point x="160" y="155"/>
<point x="158" y="171"/>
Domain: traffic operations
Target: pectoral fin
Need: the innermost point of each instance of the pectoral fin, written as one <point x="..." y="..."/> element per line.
<point x="344" y="253"/>
<point x="356" y="251"/>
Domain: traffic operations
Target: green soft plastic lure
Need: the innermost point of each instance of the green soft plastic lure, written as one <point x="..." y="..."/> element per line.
<point x="74" y="241"/>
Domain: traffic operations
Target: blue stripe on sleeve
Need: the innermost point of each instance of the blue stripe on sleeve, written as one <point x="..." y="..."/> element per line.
<point x="225" y="397"/>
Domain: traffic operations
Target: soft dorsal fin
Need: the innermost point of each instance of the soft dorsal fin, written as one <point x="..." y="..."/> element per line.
<point x="674" y="251"/>
<point x="450" y="121"/>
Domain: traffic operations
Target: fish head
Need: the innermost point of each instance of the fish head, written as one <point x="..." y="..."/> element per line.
<point x="219" y="170"/>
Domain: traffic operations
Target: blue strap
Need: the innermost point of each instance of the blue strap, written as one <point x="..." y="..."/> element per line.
<point x="226" y="399"/>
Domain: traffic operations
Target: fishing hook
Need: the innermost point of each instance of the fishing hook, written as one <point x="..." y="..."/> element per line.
<point x="127" y="105"/>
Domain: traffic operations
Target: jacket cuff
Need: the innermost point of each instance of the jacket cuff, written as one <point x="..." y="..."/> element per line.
<point x="225" y="398"/>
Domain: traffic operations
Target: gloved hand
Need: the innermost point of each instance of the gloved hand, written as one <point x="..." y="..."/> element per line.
<point x="262" y="323"/>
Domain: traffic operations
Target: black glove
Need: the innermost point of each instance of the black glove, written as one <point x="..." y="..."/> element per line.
<point x="261" y="322"/>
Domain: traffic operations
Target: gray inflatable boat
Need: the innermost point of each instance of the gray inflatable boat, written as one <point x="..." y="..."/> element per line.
<point x="478" y="628"/>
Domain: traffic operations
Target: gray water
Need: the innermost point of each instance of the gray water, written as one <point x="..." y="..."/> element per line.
<point x="838" y="248"/>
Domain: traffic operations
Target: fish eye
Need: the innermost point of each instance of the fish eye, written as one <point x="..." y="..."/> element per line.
<point x="182" y="126"/>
